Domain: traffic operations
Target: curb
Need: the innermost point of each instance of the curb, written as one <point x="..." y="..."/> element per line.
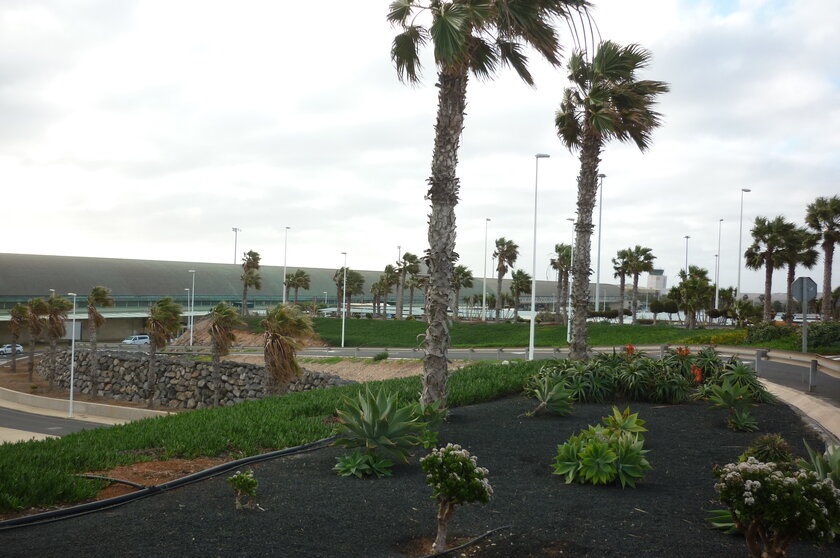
<point x="92" y="410"/>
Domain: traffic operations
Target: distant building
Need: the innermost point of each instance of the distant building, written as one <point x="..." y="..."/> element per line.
<point x="657" y="281"/>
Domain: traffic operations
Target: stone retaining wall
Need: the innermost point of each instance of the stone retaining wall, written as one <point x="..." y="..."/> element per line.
<point x="182" y="383"/>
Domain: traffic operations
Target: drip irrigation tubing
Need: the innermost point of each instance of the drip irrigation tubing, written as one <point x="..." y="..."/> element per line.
<point x="449" y="551"/>
<point x="146" y="491"/>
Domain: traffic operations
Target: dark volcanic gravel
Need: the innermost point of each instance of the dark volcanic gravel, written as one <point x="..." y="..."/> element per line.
<point x="311" y="512"/>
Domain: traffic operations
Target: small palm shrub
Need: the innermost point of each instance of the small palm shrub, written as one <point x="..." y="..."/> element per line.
<point x="552" y="395"/>
<point x="603" y="455"/>
<point x="769" y="448"/>
<point x="774" y="506"/>
<point x="455" y="478"/>
<point x="736" y="399"/>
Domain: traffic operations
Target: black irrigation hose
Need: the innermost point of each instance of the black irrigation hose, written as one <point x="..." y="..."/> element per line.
<point x="468" y="543"/>
<point x="90" y="507"/>
<point x="111" y="479"/>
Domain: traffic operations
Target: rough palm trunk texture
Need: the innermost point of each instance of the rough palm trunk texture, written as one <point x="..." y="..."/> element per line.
<point x="152" y="379"/>
<point x="94" y="363"/>
<point x="443" y="194"/>
<point x="622" y="287"/>
<point x="768" y="288"/>
<point x="791" y="276"/>
<point x="825" y="309"/>
<point x="587" y="189"/>
<point x="635" y="303"/>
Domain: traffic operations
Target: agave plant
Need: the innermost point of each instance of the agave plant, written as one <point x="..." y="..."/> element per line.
<point x="740" y="374"/>
<point x="634" y="380"/>
<point x="630" y="463"/>
<point x="377" y="423"/>
<point x="552" y="394"/>
<point x="620" y="423"/>
<point x="826" y="465"/>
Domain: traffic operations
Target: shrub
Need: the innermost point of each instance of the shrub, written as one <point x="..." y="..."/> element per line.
<point x="455" y="478"/>
<point x="244" y="487"/>
<point x="765" y="331"/>
<point x="769" y="448"/>
<point x="552" y="394"/>
<point x="736" y="399"/>
<point x="773" y="506"/>
<point x="825" y="465"/>
<point x="380" y="356"/>
<point x="360" y="464"/>
<point x="821" y="334"/>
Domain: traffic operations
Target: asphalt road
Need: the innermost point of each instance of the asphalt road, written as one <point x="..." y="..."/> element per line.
<point x="41" y="424"/>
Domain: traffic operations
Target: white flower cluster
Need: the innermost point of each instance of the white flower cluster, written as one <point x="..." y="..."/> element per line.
<point x="453" y="473"/>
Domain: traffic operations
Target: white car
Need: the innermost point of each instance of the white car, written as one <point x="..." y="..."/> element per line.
<point x="7" y="349"/>
<point x="137" y="340"/>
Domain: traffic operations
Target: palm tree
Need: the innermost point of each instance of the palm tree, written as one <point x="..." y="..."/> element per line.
<point x="18" y="319"/>
<point x="338" y="279"/>
<point x="99" y="296"/>
<point x="505" y="253"/>
<point x="355" y="286"/>
<point x="223" y="320"/>
<point x="823" y="216"/>
<point x="409" y="265"/>
<point x="468" y="36"/>
<point x="414" y="282"/>
<point x="640" y="261"/>
<point x="622" y="270"/>
<point x="695" y="292"/>
<point x="520" y="283"/>
<point x="250" y="276"/>
<point x="606" y="101"/>
<point x="284" y="326"/>
<point x="798" y="249"/>
<point x="56" y="317"/>
<point x="35" y="324"/>
<point x="300" y="280"/>
<point x="163" y="322"/>
<point x="562" y="263"/>
<point x="765" y="252"/>
<point x="462" y="278"/>
<point x="390" y="279"/>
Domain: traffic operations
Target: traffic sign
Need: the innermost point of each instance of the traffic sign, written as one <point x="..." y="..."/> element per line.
<point x="804" y="289"/>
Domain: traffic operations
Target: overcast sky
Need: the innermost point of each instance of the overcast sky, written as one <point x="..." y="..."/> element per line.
<point x="149" y="129"/>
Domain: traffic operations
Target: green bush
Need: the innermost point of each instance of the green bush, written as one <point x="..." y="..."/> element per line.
<point x="821" y="334"/>
<point x="765" y="331"/>
<point x="769" y="448"/>
<point x="380" y="356"/>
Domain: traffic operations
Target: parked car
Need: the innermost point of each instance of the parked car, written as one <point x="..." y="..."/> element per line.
<point x="137" y="340"/>
<point x="7" y="349"/>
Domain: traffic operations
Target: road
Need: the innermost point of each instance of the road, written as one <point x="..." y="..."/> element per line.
<point x="13" y="420"/>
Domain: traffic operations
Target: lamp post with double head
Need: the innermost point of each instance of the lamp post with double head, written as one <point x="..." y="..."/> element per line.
<point x="236" y="231"/>
<point x="537" y="158"/>
<point x="686" y="254"/>
<point x="740" y="233"/>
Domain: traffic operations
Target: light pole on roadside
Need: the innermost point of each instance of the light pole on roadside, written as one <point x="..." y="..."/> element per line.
<point x="717" y="269"/>
<point x="285" y="249"/>
<point x="740" y="232"/>
<point x="72" y="354"/>
<point x="598" y="260"/>
<point x="484" y="287"/>
<point x="686" y="254"/>
<point x="191" y="306"/>
<point x="236" y="231"/>
<point x="344" y="297"/>
<point x="537" y="158"/>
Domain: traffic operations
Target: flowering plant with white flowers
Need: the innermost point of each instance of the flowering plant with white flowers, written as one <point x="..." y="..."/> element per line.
<point x="774" y="505"/>
<point x="455" y="478"/>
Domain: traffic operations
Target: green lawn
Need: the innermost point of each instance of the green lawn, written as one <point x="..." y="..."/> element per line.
<point x="393" y="333"/>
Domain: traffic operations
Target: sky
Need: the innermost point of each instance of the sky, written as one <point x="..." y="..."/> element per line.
<point x="150" y="129"/>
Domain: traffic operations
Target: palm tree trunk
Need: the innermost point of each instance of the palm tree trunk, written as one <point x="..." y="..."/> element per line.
<point x="296" y="295"/>
<point x="499" y="300"/>
<point x="635" y="303"/>
<point x="791" y="275"/>
<point x="31" y="363"/>
<point x="217" y="374"/>
<point x="152" y="378"/>
<point x="245" y="299"/>
<point x="455" y="304"/>
<point x="768" y="286"/>
<point x="443" y="194"/>
<point x="587" y="190"/>
<point x="411" y="300"/>
<point x="558" y="297"/>
<point x="825" y="309"/>
<point x="516" y="306"/>
<point x="51" y="373"/>
<point x="93" y="361"/>
<point x="400" y="295"/>
<point x="339" y="304"/>
<point x="14" y="353"/>
<point x="621" y="289"/>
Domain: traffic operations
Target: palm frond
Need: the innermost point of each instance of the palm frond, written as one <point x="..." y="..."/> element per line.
<point x="449" y="33"/>
<point x="399" y="10"/>
<point x="511" y="55"/>
<point x="483" y="58"/>
<point x="405" y="53"/>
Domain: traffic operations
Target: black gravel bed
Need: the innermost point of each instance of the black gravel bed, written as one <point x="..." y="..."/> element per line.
<point x="311" y="512"/>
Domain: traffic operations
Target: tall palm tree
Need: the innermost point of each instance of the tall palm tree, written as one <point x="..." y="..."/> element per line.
<point x="355" y="286"/>
<point x="520" y="283"/>
<point x="468" y="36"/>
<point x="18" y="319"/>
<point x="99" y="296"/>
<point x="36" y="324"/>
<point x="562" y="263"/>
<point x="250" y="276"/>
<point x="284" y="328"/>
<point x="640" y="261"/>
<point x="462" y="278"/>
<point x="823" y="216"/>
<point x="163" y="322"/>
<point x="407" y="267"/>
<point x="606" y="101"/>
<point x="765" y="252"/>
<point x="414" y="282"/>
<point x="338" y="279"/>
<point x="56" y="318"/>
<point x="300" y="280"/>
<point x="694" y="292"/>
<point x="622" y="270"/>
<point x="798" y="249"/>
<point x="390" y="279"/>
<point x="505" y="253"/>
<point x="223" y="320"/>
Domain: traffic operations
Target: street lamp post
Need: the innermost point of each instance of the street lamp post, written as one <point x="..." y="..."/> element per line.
<point x="484" y="287"/>
<point x="740" y="232"/>
<point x="571" y="284"/>
<point x="537" y="158"/>
<point x="235" y="238"/>
<point x="686" y="254"/>
<point x="598" y="261"/>
<point x="717" y="268"/>
<point x="192" y="307"/>
<point x="344" y="301"/>
<point x="72" y="354"/>
<point x="285" y="249"/>
<point x="52" y="293"/>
